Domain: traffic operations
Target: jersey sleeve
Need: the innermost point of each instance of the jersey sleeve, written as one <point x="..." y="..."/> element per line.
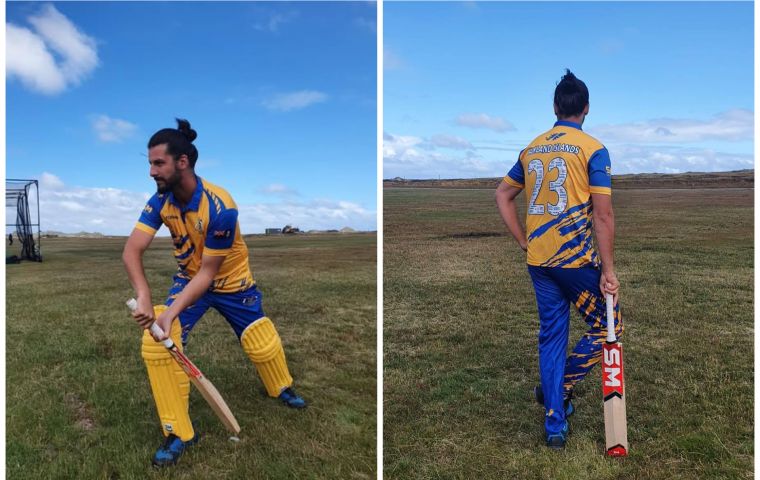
<point x="600" y="172"/>
<point x="150" y="218"/>
<point x="221" y="233"/>
<point x="516" y="176"/>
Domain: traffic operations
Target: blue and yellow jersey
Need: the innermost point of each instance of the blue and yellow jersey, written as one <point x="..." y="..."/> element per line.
<point x="208" y="225"/>
<point x="559" y="171"/>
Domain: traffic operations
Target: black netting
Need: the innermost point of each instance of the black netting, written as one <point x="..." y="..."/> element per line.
<point x="17" y="198"/>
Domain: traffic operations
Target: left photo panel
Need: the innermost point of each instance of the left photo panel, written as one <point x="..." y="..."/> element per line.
<point x="191" y="239"/>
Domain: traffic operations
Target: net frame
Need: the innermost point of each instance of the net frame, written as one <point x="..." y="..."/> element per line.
<point x="17" y="196"/>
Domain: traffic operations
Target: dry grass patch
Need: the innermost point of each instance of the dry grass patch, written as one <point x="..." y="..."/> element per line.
<point x="460" y="341"/>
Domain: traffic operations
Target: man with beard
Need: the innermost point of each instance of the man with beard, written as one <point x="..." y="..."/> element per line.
<point x="213" y="271"/>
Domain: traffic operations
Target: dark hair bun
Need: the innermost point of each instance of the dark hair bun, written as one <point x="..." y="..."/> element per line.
<point x="184" y="127"/>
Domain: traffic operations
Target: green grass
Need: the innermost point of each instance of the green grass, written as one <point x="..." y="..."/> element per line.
<point x="460" y="341"/>
<point x="78" y="402"/>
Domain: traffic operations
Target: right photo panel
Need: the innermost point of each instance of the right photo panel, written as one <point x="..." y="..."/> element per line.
<point x="568" y="203"/>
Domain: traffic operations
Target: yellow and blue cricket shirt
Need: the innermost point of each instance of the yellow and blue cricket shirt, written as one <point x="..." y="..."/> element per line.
<point x="559" y="171"/>
<point x="207" y="225"/>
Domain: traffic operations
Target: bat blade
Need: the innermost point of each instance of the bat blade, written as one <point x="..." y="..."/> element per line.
<point x="207" y="389"/>
<point x="202" y="384"/>
<point x="613" y="390"/>
<point x="613" y="387"/>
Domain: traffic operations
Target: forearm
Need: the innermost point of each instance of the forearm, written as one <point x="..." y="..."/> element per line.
<point x="604" y="229"/>
<point x="508" y="211"/>
<point x="134" y="265"/>
<point x="191" y="293"/>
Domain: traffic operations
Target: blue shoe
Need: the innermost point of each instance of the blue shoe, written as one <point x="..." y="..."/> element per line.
<point x="290" y="398"/>
<point x="171" y="450"/>
<point x="569" y="407"/>
<point x="558" y="440"/>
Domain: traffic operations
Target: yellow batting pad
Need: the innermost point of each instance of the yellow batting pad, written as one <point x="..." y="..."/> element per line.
<point x="170" y="385"/>
<point x="263" y="346"/>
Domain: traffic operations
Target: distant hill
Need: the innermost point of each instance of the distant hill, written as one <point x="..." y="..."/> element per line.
<point x="53" y="233"/>
<point x="735" y="179"/>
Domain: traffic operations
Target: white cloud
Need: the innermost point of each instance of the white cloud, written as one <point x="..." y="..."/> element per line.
<point x="50" y="181"/>
<point x="482" y="120"/>
<point x="402" y="149"/>
<point x="110" y="211"/>
<point x="70" y="206"/>
<point x="413" y="157"/>
<point x="669" y="145"/>
<point x="451" y="141"/>
<point x="659" y="159"/>
<point x="114" y="211"/>
<point x="732" y="125"/>
<point x="279" y="189"/>
<point x="286" y="102"/>
<point x="310" y="215"/>
<point x="112" y="130"/>
<point x="29" y="60"/>
<point x="54" y="57"/>
<point x="663" y="145"/>
<point x="274" y="20"/>
<point x="78" y="50"/>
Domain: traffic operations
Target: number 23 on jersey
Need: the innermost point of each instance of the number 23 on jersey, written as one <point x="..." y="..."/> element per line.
<point x="539" y="204"/>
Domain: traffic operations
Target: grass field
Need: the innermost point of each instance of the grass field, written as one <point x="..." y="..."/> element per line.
<point x="460" y="341"/>
<point x="78" y="401"/>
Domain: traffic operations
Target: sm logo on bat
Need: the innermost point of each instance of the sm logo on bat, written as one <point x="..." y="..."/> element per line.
<point x="612" y="366"/>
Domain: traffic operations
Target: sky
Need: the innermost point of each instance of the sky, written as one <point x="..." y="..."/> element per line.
<point x="467" y="85"/>
<point x="282" y="95"/>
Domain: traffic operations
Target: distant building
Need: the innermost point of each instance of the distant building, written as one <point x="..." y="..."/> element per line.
<point x="273" y="231"/>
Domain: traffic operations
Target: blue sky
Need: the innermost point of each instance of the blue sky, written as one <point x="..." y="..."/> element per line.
<point x="282" y="95"/>
<point x="467" y="85"/>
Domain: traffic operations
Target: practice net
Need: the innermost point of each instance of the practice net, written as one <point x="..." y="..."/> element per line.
<point x="22" y="200"/>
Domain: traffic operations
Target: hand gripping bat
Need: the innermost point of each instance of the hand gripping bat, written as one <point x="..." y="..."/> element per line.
<point x="204" y="386"/>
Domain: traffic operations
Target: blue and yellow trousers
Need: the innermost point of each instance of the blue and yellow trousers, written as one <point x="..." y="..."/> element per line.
<point x="556" y="289"/>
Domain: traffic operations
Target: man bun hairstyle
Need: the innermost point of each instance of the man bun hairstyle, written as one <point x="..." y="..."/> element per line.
<point x="179" y="141"/>
<point x="570" y="96"/>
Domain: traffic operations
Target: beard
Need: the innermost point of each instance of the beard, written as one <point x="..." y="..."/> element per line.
<point x="168" y="184"/>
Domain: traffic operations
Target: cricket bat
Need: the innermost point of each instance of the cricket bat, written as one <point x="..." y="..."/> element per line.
<point x="207" y="389"/>
<point x="613" y="387"/>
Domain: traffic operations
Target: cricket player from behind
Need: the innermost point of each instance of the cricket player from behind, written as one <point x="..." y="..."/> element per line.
<point x="213" y="271"/>
<point x="566" y="175"/>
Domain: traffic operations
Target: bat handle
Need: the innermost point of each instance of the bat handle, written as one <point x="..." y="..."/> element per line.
<point x="154" y="328"/>
<point x="610" y="318"/>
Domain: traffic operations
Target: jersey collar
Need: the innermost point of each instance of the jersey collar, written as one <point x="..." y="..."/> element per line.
<point x="565" y="123"/>
<point x="195" y="201"/>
